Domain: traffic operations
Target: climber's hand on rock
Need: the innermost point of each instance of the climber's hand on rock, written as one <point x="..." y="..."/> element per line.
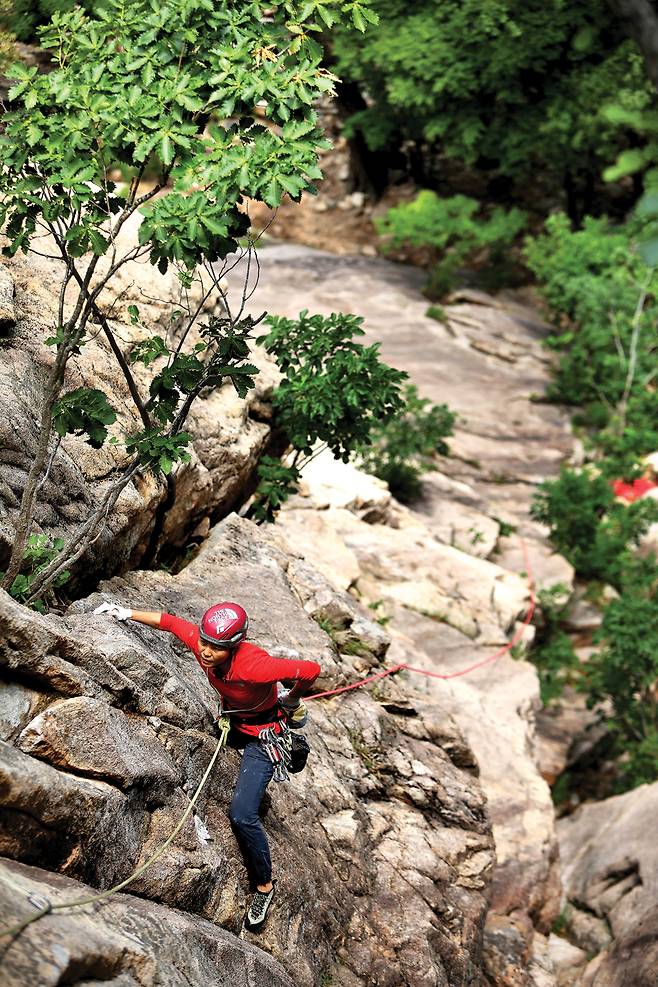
<point x="114" y="610"/>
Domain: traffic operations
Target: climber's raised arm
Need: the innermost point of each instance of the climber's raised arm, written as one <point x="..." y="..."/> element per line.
<point x="149" y="617"/>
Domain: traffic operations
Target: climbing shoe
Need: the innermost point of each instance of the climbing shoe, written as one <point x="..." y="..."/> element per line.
<point x="259" y="907"/>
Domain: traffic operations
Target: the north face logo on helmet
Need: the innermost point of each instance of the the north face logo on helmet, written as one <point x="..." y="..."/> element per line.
<point x="222" y="618"/>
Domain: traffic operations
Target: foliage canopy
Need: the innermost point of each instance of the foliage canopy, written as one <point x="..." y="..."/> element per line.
<point x="141" y="81"/>
<point x="511" y="86"/>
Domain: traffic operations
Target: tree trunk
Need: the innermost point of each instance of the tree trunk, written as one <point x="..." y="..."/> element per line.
<point x="369" y="170"/>
<point x="641" y="20"/>
<point x="24" y="522"/>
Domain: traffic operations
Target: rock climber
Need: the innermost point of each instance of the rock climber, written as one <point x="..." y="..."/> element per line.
<point x="245" y="677"/>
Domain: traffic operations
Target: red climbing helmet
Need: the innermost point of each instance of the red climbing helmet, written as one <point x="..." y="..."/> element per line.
<point x="224" y="623"/>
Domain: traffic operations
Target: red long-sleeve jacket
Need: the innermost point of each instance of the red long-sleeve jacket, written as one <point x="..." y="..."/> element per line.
<point x="249" y="686"/>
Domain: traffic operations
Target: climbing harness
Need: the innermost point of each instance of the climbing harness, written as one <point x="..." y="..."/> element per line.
<point x="48" y="907"/>
<point x="285" y="751"/>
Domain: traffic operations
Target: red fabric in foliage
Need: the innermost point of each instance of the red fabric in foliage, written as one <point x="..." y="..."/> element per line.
<point x="630" y="492"/>
<point x="250" y="683"/>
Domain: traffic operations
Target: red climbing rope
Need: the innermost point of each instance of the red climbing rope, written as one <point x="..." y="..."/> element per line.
<point x="449" y="675"/>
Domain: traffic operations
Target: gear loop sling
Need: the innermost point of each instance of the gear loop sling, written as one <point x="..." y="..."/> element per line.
<point x="224" y="726"/>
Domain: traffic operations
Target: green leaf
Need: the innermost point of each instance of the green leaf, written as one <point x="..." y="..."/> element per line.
<point x="358" y="19"/>
<point x="166" y="150"/>
<point x="99" y="244"/>
<point x="273" y="193"/>
<point x="648" y="205"/>
<point x="292" y="185"/>
<point x="649" y="252"/>
<point x="627" y="163"/>
<point x="84" y="411"/>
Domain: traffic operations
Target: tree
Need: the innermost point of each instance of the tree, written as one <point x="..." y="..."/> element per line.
<point x="512" y="89"/>
<point x="171" y="86"/>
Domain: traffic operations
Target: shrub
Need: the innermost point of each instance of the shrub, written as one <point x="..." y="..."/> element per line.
<point x="624" y="673"/>
<point x="334" y="389"/>
<point x="402" y="448"/>
<point x="454" y="227"/>
<point x="600" y="295"/>
<point x="334" y="393"/>
<point x="552" y="651"/>
<point x="588" y="526"/>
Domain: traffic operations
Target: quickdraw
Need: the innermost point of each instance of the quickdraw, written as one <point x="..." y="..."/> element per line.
<point x="278" y="747"/>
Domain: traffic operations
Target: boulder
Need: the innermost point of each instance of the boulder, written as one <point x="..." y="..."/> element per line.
<point x="632" y="959"/>
<point x="328" y="482"/>
<point x="128" y="942"/>
<point x="568" y="960"/>
<point x="227" y="441"/>
<point x="566" y="731"/>
<point x="18" y="705"/>
<point x="610" y="859"/>
<point x="51" y="818"/>
<point x="90" y="738"/>
<point x="408" y="566"/>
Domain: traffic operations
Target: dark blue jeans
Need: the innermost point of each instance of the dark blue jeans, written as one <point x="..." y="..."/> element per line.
<point x="255" y="775"/>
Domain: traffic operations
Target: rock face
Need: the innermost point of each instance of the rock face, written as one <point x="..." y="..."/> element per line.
<point x="447" y="611"/>
<point x="610" y="874"/>
<point x="631" y="960"/>
<point x="382" y="847"/>
<point x="446" y="576"/>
